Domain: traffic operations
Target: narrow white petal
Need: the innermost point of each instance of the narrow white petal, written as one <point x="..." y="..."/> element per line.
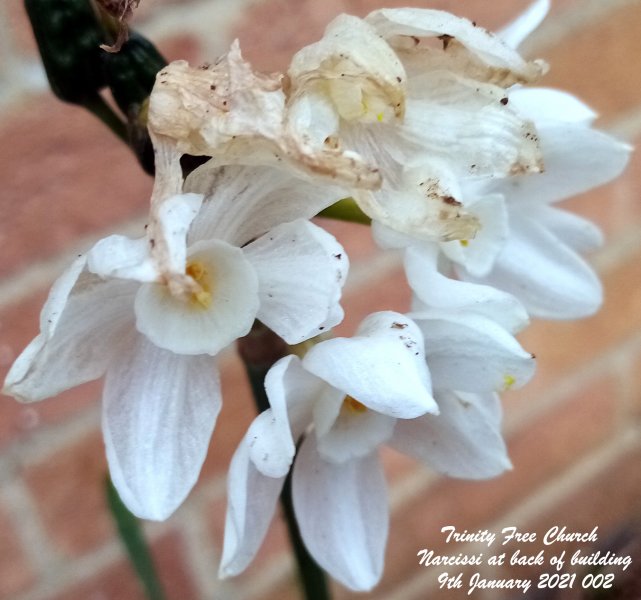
<point x="464" y="440"/>
<point x="437" y="291"/>
<point x="81" y="327"/>
<point x="301" y="271"/>
<point x="342" y="514"/>
<point x="547" y="104"/>
<point x="515" y="33"/>
<point x="271" y="438"/>
<point x="576" y="232"/>
<point x="577" y="159"/>
<point x="382" y="366"/>
<point x="191" y="326"/>
<point x="549" y="278"/>
<point x="242" y="203"/>
<point x="159" y="411"/>
<point x="251" y="504"/>
<point x="471" y="353"/>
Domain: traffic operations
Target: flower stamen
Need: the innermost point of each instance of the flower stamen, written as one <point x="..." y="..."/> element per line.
<point x="353" y="405"/>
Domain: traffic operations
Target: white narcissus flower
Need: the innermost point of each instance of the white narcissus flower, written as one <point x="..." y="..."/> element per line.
<point x="348" y="397"/>
<point x="539" y="260"/>
<point x="156" y="341"/>
<point x="427" y="117"/>
<point x="527" y="246"/>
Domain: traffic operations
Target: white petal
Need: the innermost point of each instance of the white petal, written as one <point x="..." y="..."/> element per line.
<point x="464" y="440"/>
<point x="471" y="125"/>
<point x="342" y="515"/>
<point x="354" y="434"/>
<point x="550" y="279"/>
<point x="122" y="257"/>
<point x="547" y="104"/>
<point x="472" y="353"/>
<point x="271" y="438"/>
<point x="251" y="504"/>
<point x="576" y="232"/>
<point x="482" y="46"/>
<point x="478" y="254"/>
<point x="242" y="203"/>
<point x="577" y="159"/>
<point x="437" y="291"/>
<point x="515" y="33"/>
<point x="81" y="326"/>
<point x="301" y="271"/>
<point x="382" y="366"/>
<point x="159" y="410"/>
<point x="188" y="326"/>
<point x="175" y="216"/>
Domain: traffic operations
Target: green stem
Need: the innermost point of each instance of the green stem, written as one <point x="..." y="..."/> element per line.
<point x="260" y="349"/>
<point x="346" y="210"/>
<point x="133" y="538"/>
<point x="98" y="107"/>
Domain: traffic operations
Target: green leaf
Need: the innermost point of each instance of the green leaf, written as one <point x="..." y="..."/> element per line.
<point x="132" y="536"/>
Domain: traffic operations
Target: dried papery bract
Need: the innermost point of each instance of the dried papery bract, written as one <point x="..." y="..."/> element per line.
<point x="235" y="115"/>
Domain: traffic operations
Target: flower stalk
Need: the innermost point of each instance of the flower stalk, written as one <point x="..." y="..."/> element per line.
<point x="259" y="350"/>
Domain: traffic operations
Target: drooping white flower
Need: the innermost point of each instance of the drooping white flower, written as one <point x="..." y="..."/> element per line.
<point x="425" y="116"/>
<point x="539" y="261"/>
<point x="348" y="397"/>
<point x="248" y="255"/>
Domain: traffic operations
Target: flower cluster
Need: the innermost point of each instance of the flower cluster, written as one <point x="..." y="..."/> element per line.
<point x="425" y="120"/>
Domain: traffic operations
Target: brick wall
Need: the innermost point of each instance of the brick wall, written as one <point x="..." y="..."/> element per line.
<point x="573" y="432"/>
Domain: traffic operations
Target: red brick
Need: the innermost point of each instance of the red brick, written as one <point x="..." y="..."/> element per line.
<point x="119" y="582"/>
<point x="18" y="26"/>
<point x="612" y="81"/>
<point x="18" y="325"/>
<point x="562" y="347"/>
<point x="15" y="573"/>
<point x="69" y="491"/>
<point x="608" y="501"/>
<point x="65" y="176"/>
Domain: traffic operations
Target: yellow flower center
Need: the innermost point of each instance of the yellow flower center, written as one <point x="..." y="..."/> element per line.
<point x="353" y="405"/>
<point x="508" y="382"/>
<point x="201" y="296"/>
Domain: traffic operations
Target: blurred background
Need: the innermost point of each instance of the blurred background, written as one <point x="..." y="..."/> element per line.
<point x="573" y="432"/>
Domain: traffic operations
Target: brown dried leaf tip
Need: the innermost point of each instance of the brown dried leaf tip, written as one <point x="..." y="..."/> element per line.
<point x="121" y="11"/>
